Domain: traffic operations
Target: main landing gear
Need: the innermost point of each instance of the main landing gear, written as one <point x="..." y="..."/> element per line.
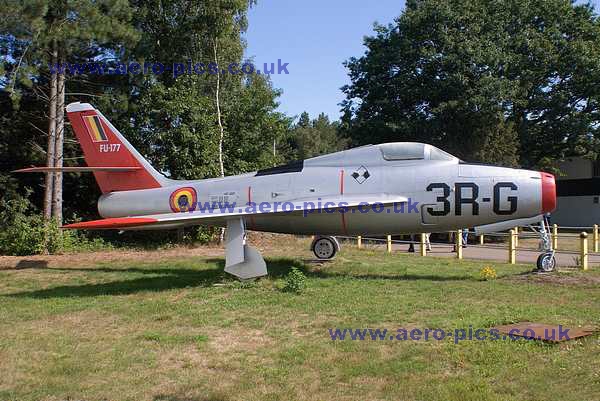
<point x="242" y="261"/>
<point x="325" y="247"/>
<point x="546" y="262"/>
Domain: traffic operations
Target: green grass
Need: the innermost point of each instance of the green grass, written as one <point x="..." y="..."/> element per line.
<point x="180" y="329"/>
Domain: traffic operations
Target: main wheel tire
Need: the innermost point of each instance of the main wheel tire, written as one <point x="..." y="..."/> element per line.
<point x="324" y="248"/>
<point x="546" y="262"/>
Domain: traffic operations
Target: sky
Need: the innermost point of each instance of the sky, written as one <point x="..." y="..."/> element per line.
<point x="315" y="38"/>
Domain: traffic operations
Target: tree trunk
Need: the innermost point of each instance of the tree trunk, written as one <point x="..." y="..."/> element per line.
<point x="51" y="136"/>
<point x="218" y="103"/>
<point x="58" y="148"/>
<point x="221" y="129"/>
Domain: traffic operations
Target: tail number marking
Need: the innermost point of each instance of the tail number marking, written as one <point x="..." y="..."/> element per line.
<point x="110" y="147"/>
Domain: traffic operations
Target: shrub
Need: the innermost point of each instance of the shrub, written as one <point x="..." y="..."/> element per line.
<point x="295" y="281"/>
<point x="23" y="231"/>
<point x="487" y="273"/>
<point x="22" y="234"/>
<point x="206" y="235"/>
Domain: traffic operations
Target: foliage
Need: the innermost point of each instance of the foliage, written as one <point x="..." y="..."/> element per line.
<point x="487" y="273"/>
<point x="80" y="30"/>
<point x="24" y="232"/>
<point x="205" y="235"/>
<point x="295" y="281"/>
<point x="21" y="234"/>
<point x="313" y="138"/>
<point x="513" y="81"/>
<point x="171" y="121"/>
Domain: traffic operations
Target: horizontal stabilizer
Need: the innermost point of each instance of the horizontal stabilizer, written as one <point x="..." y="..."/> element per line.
<point x="83" y="169"/>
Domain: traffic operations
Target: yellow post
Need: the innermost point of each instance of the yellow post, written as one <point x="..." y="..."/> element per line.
<point x="423" y="248"/>
<point x="359" y="241"/>
<point x="516" y="237"/>
<point x="595" y="237"/>
<point x="458" y="244"/>
<point x="583" y="250"/>
<point x="481" y="240"/>
<point x="389" y="244"/>
<point x="512" y="251"/>
<point x="554" y="237"/>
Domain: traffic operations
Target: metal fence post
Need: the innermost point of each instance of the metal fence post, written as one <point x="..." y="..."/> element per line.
<point x="389" y="244"/>
<point x="359" y="241"/>
<point x="516" y="237"/>
<point x="481" y="240"/>
<point x="458" y="244"/>
<point x="512" y="251"/>
<point x="423" y="248"/>
<point x="583" y="250"/>
<point x="595" y="237"/>
<point x="554" y="237"/>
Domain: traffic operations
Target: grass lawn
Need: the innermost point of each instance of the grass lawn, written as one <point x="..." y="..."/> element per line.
<point x="179" y="329"/>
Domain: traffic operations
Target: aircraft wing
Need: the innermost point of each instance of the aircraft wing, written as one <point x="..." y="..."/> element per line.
<point x="220" y="215"/>
<point x="82" y="169"/>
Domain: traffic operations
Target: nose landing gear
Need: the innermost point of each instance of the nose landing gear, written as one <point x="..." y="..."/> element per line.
<point x="546" y="262"/>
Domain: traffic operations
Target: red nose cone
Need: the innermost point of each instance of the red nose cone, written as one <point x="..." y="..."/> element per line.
<point x="548" y="193"/>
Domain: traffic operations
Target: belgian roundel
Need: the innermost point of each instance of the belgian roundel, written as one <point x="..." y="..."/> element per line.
<point x="183" y="200"/>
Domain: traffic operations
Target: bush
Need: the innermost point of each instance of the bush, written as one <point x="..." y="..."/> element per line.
<point x="295" y="281"/>
<point x="487" y="273"/>
<point x="206" y="235"/>
<point x="23" y="233"/>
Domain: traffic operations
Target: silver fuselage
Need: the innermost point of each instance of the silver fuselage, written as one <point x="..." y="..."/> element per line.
<point x="443" y="194"/>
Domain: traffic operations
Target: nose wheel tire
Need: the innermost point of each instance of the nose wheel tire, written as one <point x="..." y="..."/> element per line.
<point x="324" y="248"/>
<point x="546" y="262"/>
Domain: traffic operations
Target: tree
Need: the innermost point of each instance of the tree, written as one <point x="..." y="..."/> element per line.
<point x="172" y="120"/>
<point x="39" y="33"/>
<point x="510" y="79"/>
<point x="179" y="123"/>
<point x="313" y="138"/>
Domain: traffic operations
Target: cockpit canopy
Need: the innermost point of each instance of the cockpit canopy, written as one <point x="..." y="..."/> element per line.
<point x="383" y="154"/>
<point x="412" y="151"/>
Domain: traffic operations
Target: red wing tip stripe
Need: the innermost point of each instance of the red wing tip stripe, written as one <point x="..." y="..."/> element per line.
<point x="121" y="222"/>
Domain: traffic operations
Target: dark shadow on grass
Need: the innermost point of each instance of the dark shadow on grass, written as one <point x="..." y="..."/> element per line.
<point x="281" y="267"/>
<point x="158" y="280"/>
<point x="164" y="278"/>
<point x="28" y="264"/>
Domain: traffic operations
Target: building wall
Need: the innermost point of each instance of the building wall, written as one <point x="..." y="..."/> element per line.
<point x="576" y="211"/>
<point x="578" y="194"/>
<point x="574" y="169"/>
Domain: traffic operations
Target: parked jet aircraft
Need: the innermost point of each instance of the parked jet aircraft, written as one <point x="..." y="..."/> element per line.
<point x="392" y="188"/>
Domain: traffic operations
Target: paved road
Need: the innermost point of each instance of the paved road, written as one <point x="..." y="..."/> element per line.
<point x="499" y="253"/>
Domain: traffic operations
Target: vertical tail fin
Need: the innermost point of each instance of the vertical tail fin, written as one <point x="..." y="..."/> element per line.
<point x="104" y="146"/>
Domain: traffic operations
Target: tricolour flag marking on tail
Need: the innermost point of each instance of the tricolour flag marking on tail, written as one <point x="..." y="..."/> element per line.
<point x="95" y="128"/>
